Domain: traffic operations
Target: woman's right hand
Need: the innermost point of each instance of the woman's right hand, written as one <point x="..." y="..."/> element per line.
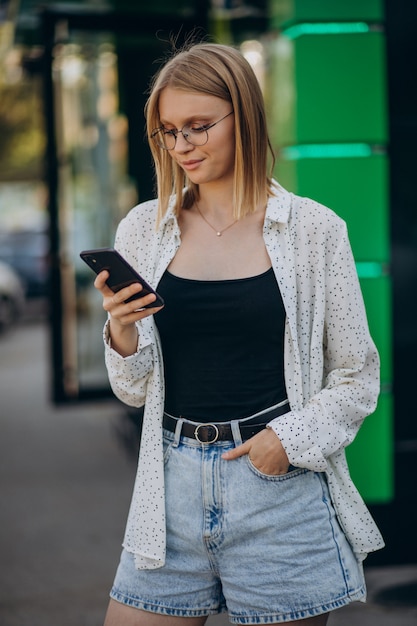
<point x="124" y="315"/>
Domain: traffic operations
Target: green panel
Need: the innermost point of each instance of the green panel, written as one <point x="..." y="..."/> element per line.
<point x="340" y="89"/>
<point x="328" y="89"/>
<point x="282" y="11"/>
<point x="377" y="297"/>
<point x="355" y="188"/>
<point x="370" y="456"/>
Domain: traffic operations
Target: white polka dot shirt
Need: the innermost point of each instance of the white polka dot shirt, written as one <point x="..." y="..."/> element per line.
<point x="331" y="363"/>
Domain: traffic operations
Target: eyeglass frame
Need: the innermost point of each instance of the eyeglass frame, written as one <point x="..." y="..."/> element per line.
<point x="174" y="132"/>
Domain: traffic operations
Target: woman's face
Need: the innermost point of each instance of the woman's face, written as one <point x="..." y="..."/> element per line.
<point x="213" y="161"/>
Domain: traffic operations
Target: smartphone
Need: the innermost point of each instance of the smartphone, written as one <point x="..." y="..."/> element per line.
<point x="121" y="273"/>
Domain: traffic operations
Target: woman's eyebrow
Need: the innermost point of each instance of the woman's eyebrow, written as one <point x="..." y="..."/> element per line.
<point x="193" y="118"/>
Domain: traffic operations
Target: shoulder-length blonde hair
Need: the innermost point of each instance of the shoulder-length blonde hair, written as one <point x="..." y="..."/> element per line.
<point x="221" y="71"/>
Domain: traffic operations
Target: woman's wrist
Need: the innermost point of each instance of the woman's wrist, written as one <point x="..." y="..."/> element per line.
<point x="123" y="338"/>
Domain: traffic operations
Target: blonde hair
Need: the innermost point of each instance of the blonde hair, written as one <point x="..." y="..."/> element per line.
<point x="220" y="71"/>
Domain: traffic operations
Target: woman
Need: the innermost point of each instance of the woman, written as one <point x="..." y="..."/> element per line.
<point x="255" y="375"/>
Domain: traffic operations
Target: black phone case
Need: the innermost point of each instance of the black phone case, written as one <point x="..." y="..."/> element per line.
<point x="121" y="273"/>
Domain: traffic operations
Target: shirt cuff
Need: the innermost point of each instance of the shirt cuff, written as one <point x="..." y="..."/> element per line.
<point x="144" y="339"/>
<point x="297" y="442"/>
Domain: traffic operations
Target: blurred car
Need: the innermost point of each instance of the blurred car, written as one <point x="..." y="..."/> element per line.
<point x="26" y="251"/>
<point x="12" y="296"/>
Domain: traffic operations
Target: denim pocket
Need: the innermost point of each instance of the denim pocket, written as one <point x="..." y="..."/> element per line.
<point x="291" y="473"/>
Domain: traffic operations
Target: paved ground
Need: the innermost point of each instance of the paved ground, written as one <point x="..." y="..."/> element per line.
<point x="65" y="482"/>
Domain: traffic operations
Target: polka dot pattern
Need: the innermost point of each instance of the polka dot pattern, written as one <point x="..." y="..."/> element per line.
<point x="331" y="363"/>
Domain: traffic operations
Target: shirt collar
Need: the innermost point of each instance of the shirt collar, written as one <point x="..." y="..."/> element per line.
<point x="278" y="207"/>
<point x="169" y="215"/>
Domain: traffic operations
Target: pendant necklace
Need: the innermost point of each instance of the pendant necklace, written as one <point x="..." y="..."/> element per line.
<point x="219" y="233"/>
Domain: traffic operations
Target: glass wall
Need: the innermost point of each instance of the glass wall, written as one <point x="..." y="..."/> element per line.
<point x="94" y="190"/>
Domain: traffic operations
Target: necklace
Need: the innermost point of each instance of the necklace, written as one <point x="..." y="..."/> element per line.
<point x="219" y="233"/>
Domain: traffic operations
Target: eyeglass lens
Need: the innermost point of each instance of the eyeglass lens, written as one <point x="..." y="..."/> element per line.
<point x="167" y="138"/>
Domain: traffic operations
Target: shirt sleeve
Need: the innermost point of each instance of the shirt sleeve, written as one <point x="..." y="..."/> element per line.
<point x="331" y="418"/>
<point x="128" y="376"/>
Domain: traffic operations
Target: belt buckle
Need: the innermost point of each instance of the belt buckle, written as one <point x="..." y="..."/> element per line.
<point x="216" y="433"/>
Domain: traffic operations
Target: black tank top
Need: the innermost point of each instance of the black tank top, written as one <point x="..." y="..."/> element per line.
<point x="222" y="344"/>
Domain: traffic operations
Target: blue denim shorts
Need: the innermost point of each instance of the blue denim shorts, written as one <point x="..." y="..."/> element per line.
<point x="266" y="549"/>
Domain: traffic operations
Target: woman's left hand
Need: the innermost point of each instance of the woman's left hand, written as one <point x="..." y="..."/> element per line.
<point x="265" y="452"/>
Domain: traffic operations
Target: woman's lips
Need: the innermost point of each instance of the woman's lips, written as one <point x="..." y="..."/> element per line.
<point x="191" y="165"/>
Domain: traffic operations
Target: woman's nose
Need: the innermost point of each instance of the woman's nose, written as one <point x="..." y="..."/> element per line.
<point x="182" y="145"/>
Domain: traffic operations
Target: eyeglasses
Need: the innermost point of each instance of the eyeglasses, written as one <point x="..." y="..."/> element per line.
<point x="166" y="138"/>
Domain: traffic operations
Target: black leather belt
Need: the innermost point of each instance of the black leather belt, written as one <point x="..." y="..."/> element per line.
<point x="222" y="431"/>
